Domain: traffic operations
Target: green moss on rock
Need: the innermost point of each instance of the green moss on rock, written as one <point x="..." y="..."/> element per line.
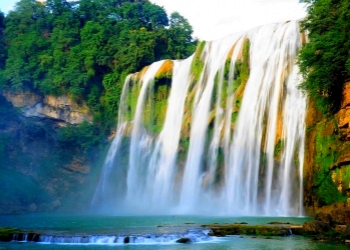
<point x="326" y="156"/>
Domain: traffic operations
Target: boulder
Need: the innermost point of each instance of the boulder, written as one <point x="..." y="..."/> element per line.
<point x="341" y="216"/>
<point x="347" y="231"/>
<point x="324" y="217"/>
<point x="184" y="240"/>
<point x="316" y="227"/>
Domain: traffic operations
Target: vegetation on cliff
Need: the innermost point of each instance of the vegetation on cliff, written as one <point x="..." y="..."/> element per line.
<point x="86" y="48"/>
<point x="324" y="60"/>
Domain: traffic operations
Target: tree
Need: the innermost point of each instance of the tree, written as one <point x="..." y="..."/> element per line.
<point x="325" y="60"/>
<point x="87" y="48"/>
<point x="3" y="52"/>
<point x="180" y="32"/>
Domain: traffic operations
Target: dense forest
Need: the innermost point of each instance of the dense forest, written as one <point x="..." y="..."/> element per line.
<point x="324" y="60"/>
<point x="86" y="48"/>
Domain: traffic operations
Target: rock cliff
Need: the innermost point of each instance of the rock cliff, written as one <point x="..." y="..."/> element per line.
<point x="38" y="172"/>
<point x="327" y="168"/>
<point x="60" y="108"/>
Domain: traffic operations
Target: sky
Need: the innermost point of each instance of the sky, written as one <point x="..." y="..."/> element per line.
<point x="6" y="5"/>
<point x="213" y="19"/>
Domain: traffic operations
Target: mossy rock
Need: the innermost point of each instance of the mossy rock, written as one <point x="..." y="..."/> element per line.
<point x="243" y="229"/>
<point x="6" y="234"/>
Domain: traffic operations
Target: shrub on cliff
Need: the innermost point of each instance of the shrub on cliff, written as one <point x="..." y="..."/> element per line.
<point x="324" y="60"/>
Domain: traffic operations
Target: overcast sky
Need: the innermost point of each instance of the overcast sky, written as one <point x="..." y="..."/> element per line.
<point x="212" y="19"/>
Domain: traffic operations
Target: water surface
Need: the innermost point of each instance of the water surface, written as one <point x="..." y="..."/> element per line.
<point x="155" y="226"/>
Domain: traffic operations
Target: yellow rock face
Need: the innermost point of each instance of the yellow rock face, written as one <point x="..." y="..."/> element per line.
<point x="53" y="107"/>
<point x="166" y="69"/>
<point x="343" y="116"/>
<point x="339" y="168"/>
<point x="21" y="99"/>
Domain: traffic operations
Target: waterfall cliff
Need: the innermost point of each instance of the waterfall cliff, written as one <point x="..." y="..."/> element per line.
<point x="221" y="132"/>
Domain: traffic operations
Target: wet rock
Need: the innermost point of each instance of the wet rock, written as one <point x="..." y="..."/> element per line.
<point x="340" y="228"/>
<point x="278" y="223"/>
<point x="324" y="217"/>
<point x="239" y="229"/>
<point x="316" y="227"/>
<point x="347" y="232"/>
<point x="184" y="240"/>
<point x="126" y="240"/>
<point x="341" y="216"/>
<point x="6" y="234"/>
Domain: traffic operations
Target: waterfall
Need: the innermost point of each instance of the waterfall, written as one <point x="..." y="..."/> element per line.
<point x="221" y="134"/>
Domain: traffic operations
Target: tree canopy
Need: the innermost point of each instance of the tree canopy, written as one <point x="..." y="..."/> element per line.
<point x="86" y="48"/>
<point x="324" y="60"/>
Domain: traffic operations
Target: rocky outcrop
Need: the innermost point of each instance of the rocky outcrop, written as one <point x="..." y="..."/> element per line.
<point x="60" y="108"/>
<point x="334" y="227"/>
<point x="343" y="116"/>
<point x="37" y="172"/>
<point x="327" y="159"/>
<point x="324" y="217"/>
<point x="341" y="216"/>
<point x="316" y="227"/>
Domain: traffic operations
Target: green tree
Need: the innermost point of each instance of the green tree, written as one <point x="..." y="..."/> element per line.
<point x="2" y="41"/>
<point x="26" y="41"/>
<point x="181" y="43"/>
<point x="3" y="52"/>
<point x="325" y="60"/>
<point x="87" y="48"/>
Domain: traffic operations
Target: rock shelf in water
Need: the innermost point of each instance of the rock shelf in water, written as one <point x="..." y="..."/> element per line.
<point x="281" y="229"/>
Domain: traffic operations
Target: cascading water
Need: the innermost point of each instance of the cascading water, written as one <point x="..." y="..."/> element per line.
<point x="232" y="134"/>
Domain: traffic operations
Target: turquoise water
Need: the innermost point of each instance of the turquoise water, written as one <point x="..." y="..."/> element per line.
<point x="155" y="226"/>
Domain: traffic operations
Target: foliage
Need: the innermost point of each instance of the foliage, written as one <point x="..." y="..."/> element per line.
<point x="87" y="48"/>
<point x="279" y="147"/>
<point x="180" y="36"/>
<point x="240" y="78"/>
<point x="241" y="71"/>
<point x="197" y="63"/>
<point x="84" y="136"/>
<point x="3" y="52"/>
<point x="156" y="104"/>
<point x="326" y="156"/>
<point x="325" y="60"/>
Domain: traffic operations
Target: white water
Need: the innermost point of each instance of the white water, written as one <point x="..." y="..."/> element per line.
<point x="140" y="144"/>
<point x="273" y="52"/>
<point x="251" y="181"/>
<point x="104" y="191"/>
<point x="194" y="235"/>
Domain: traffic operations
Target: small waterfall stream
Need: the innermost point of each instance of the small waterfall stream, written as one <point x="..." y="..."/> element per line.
<point x="232" y="139"/>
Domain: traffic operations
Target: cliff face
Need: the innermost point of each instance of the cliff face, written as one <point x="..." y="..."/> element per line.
<point x="327" y="162"/>
<point x="37" y="173"/>
<point x="61" y="108"/>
